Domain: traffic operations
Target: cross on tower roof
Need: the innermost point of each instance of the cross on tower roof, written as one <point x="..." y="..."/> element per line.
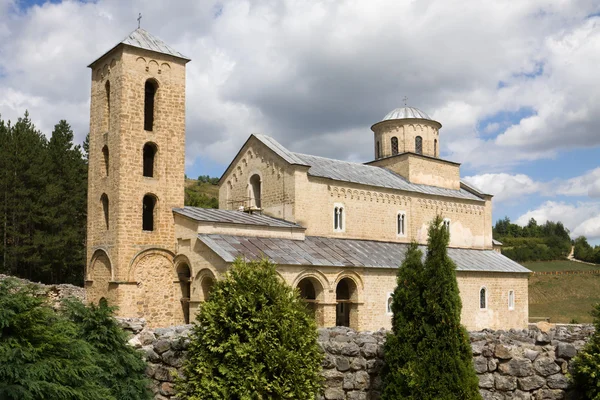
<point x="139" y="19"/>
<point x="405" y="100"/>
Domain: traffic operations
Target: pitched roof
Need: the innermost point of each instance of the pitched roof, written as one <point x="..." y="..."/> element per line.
<point x="321" y="251"/>
<point x="233" y="217"/>
<point x="142" y="39"/>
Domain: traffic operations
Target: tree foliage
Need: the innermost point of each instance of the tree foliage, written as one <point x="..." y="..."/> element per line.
<point x="76" y="353"/>
<point x="533" y="242"/>
<point x="253" y="339"/>
<point x="585" y="367"/>
<point x="427" y="354"/>
<point x="584" y="252"/>
<point x="43" y="186"/>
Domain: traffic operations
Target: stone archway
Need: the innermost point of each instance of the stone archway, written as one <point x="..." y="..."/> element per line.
<point x="185" y="274"/>
<point x="99" y="276"/>
<point x="311" y="291"/>
<point x="346" y="298"/>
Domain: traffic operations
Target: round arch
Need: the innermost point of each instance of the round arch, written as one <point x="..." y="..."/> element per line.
<point x="202" y="285"/>
<point x="99" y="274"/>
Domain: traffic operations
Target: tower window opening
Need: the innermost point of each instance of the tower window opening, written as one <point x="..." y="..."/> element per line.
<point x="435" y="147"/>
<point x="148" y="206"/>
<point x="107" y="111"/>
<point x="104" y="201"/>
<point x="338" y="218"/>
<point x="378" y="150"/>
<point x="401" y="224"/>
<point x="511" y="299"/>
<point x="419" y="145"/>
<point x="483" y="298"/>
<point x="149" y="157"/>
<point x="106" y="160"/>
<point x="255" y="191"/>
<point x="150" y="94"/>
<point x="394" y="145"/>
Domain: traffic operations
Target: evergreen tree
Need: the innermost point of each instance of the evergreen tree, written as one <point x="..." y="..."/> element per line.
<point x="586" y="364"/>
<point x="41" y="353"/>
<point x="253" y="339"/>
<point x="123" y="370"/>
<point x="427" y="354"/>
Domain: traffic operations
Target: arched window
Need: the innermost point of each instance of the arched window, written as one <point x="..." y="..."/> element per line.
<point x="511" y="299"/>
<point x="150" y="92"/>
<point x="394" y="145"/>
<point x="388" y="303"/>
<point x="255" y="191"/>
<point x="338" y="217"/>
<point x="346" y="298"/>
<point x="446" y="223"/>
<point x="483" y="298"/>
<point x="419" y="145"/>
<point x="435" y="147"/>
<point x="378" y="151"/>
<point x="107" y="111"/>
<point x="104" y="201"/>
<point x="184" y="274"/>
<point x="148" y="205"/>
<point x="149" y="153"/>
<point x="401" y="224"/>
<point x="106" y="160"/>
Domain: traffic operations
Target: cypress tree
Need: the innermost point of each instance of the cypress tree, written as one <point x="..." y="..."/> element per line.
<point x="427" y="354"/>
<point x="586" y="364"/>
<point x="253" y="339"/>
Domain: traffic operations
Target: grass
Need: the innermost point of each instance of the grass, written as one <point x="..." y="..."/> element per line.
<point x="563" y="298"/>
<point x="558" y="265"/>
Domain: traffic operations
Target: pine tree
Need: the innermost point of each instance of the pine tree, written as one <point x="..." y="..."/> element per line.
<point x="427" y="354"/>
<point x="41" y="353"/>
<point x="253" y="339"/>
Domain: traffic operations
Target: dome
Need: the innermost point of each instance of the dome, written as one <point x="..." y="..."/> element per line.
<point x="405" y="112"/>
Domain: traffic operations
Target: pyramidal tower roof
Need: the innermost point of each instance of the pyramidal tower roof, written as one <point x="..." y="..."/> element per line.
<point x="143" y="39"/>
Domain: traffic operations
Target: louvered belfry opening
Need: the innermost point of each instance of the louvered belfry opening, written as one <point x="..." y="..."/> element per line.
<point x="149" y="98"/>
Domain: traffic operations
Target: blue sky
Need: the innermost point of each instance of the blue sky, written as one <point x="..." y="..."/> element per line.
<point x="515" y="84"/>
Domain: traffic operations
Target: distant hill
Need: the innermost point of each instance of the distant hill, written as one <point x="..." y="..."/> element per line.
<point x="202" y="192"/>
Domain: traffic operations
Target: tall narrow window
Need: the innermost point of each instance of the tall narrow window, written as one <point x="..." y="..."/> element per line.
<point x="150" y="92"/>
<point x="378" y="155"/>
<point x="255" y="191"/>
<point x="419" y="145"/>
<point x="149" y="155"/>
<point x="388" y="303"/>
<point x="394" y="145"/>
<point x="401" y="228"/>
<point x="447" y="224"/>
<point x="435" y="147"/>
<point x="106" y="160"/>
<point x="511" y="299"/>
<point x="148" y="205"/>
<point x="107" y="111"/>
<point x="483" y="298"/>
<point x="338" y="217"/>
<point x="104" y="201"/>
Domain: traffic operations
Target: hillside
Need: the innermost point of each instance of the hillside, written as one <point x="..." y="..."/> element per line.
<point x="203" y="193"/>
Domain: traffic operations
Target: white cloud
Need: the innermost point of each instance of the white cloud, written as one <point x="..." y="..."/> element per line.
<point x="582" y="218"/>
<point x="505" y="187"/>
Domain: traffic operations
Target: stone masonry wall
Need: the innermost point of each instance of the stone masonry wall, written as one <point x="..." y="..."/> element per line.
<point x="516" y="364"/>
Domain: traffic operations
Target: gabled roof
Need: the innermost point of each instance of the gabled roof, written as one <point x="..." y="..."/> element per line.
<point x="322" y="251"/>
<point x="142" y="39"/>
<point x="233" y="217"/>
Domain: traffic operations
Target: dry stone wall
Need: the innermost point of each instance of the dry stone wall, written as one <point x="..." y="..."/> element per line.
<point x="517" y="364"/>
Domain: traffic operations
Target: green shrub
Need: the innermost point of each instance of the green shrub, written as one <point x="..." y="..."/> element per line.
<point x="585" y="367"/>
<point x="41" y="353"/>
<point x="253" y="339"/>
<point x="427" y="354"/>
<point x="123" y="369"/>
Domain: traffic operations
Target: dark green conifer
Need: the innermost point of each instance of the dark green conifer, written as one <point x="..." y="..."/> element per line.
<point x="585" y="367"/>
<point x="427" y="354"/>
<point x="253" y="339"/>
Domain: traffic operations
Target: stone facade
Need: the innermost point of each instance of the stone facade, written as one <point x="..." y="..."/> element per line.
<point x="515" y="364"/>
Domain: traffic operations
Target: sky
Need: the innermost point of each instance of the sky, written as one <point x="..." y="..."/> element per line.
<point x="515" y="84"/>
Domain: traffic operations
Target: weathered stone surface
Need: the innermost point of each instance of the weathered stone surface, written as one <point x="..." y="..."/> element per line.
<point x="172" y="358"/>
<point x="503" y="382"/>
<point x="164" y="374"/>
<point x="146" y="337"/>
<point x="502" y="352"/>
<point x="356" y="395"/>
<point x="369" y="350"/>
<point x="557" y="381"/>
<point x="546" y="366"/>
<point x="342" y="363"/>
<point x="531" y="354"/>
<point x="358" y="363"/>
<point x="492" y="364"/>
<point x="530" y="383"/>
<point x="517" y="367"/>
<point x="480" y="364"/>
<point x="565" y="350"/>
<point x="167" y="389"/>
<point x="333" y="378"/>
<point x="162" y="345"/>
<point x="335" y="394"/>
<point x="361" y="380"/>
<point x="549" y="394"/>
<point x="486" y="381"/>
<point x="477" y="347"/>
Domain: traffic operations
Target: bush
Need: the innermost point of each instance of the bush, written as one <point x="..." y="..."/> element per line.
<point x="253" y="339"/>
<point x="427" y="354"/>
<point x="585" y="367"/>
<point x="41" y="353"/>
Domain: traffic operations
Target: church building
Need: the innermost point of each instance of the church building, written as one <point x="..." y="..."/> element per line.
<point x="337" y="230"/>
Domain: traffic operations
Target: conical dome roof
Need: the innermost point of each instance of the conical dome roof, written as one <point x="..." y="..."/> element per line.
<point x="404" y="113"/>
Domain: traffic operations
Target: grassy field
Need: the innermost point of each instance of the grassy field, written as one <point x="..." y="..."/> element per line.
<point x="558" y="265"/>
<point x="563" y="298"/>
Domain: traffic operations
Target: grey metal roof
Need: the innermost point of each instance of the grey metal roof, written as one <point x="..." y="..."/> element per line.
<point x="405" y="112"/>
<point x="233" y="217"/>
<point x="347" y="171"/>
<point x="322" y="251"/>
<point x="281" y="151"/>
<point x="144" y="40"/>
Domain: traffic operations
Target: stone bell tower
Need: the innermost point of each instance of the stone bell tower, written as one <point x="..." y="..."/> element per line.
<point x="136" y="177"/>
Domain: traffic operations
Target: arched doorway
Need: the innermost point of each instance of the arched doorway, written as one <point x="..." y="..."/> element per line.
<point x="184" y="274"/>
<point x="346" y="297"/>
<point x="311" y="291"/>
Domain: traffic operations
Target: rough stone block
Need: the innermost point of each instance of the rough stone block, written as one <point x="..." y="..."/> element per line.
<point x="531" y="382"/>
<point x="486" y="381"/>
<point x="517" y="367"/>
<point x="342" y="363"/>
<point x="557" y="381"/>
<point x="503" y="382"/>
<point x="546" y="366"/>
<point x="334" y="394"/>
<point x="502" y="352"/>
<point x="565" y="350"/>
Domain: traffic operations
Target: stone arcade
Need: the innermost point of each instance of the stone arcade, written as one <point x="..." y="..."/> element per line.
<point x="337" y="230"/>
